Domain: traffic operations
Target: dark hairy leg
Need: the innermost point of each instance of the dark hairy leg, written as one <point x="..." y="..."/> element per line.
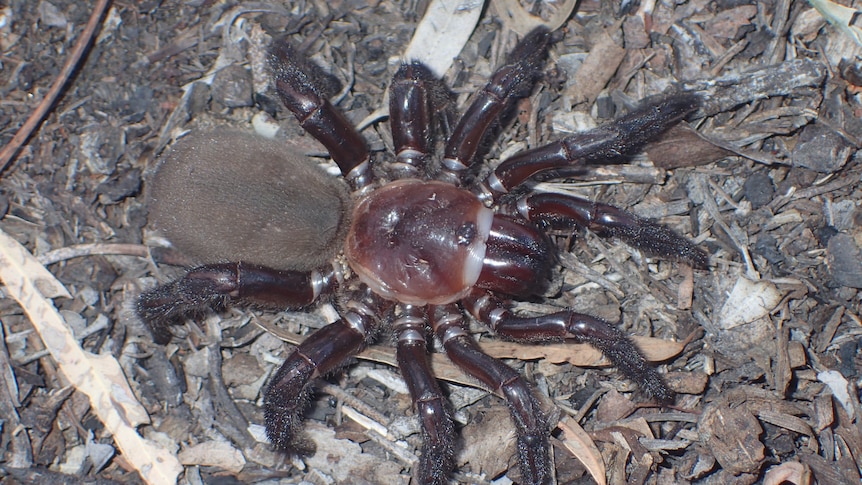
<point x="530" y="421"/>
<point x="613" y="343"/>
<point x="509" y="83"/>
<point x="562" y="211"/>
<point x="214" y="286"/>
<point x="301" y="94"/>
<point x="609" y="143"/>
<point x="420" y="110"/>
<point x="432" y="409"/>
<point x="322" y="352"/>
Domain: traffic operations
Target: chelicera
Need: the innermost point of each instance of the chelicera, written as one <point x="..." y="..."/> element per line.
<point x="414" y="245"/>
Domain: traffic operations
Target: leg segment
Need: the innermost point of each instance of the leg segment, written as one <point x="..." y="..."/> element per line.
<point x="510" y="82"/>
<point x="518" y="258"/>
<point x="213" y="286"/>
<point x="324" y="351"/>
<point x="606" y="144"/>
<point x="564" y="212"/>
<point x="418" y="103"/>
<point x="529" y="419"/>
<point x="618" y="348"/>
<point x="438" y="431"/>
<point x="299" y="93"/>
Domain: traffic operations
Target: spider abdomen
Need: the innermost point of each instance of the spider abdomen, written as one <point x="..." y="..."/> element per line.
<point x="419" y="242"/>
<point x="228" y="195"/>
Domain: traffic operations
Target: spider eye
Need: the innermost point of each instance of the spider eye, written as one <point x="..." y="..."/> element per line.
<point x="466" y="234"/>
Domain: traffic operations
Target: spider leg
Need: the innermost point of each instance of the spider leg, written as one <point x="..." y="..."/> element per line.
<point x="323" y="351"/>
<point x="565" y="211"/>
<point x="438" y="431"/>
<point x="530" y="422"/>
<point x="416" y="100"/>
<point x="519" y="257"/>
<point x="300" y="94"/>
<point x="212" y="286"/>
<point x="606" y="144"/>
<point x="613" y="343"/>
<point x="510" y="82"/>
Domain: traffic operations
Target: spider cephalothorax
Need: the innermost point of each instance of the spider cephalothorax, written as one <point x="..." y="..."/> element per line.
<point x="428" y="246"/>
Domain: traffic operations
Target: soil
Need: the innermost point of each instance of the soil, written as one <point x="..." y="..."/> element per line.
<point x="763" y="347"/>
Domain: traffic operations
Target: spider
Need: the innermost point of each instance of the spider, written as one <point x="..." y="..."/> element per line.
<point x="413" y="246"/>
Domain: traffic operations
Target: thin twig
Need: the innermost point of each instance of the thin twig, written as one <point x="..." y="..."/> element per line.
<point x="93" y="249"/>
<point x="35" y="119"/>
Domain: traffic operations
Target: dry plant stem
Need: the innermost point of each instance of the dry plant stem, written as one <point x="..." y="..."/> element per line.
<point x="585" y="408"/>
<point x="605" y="251"/>
<point x="92" y="249"/>
<point x="237" y="426"/>
<point x="100" y="249"/>
<point x="387" y="440"/>
<point x="678" y="416"/>
<point x="23" y="134"/>
<point x="809" y="192"/>
<point x="353" y="402"/>
<point x="400" y="453"/>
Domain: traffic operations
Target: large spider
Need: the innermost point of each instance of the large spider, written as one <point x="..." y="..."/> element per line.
<point x="428" y="240"/>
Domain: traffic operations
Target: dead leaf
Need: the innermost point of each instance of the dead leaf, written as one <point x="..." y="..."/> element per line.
<point x="748" y="301"/>
<point x="581" y="355"/>
<point x="515" y="17"/>
<point x="442" y="33"/>
<point x="844" y="18"/>
<point x="682" y="146"/>
<point x="579" y="443"/>
<point x="614" y="407"/>
<point x="791" y="472"/>
<point x="219" y="454"/>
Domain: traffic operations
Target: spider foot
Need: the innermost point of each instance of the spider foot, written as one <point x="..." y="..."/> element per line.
<point x="322" y="352"/>
<point x="564" y="211"/>
<point x="533" y="458"/>
<point x="630" y="133"/>
<point x="610" y="143"/>
<point x="648" y="236"/>
<point x="438" y="456"/>
<point x="303" y="88"/>
<point x="438" y="438"/>
<point x="620" y="350"/>
<point x="169" y="305"/>
<point x="509" y="83"/>
<point x="530" y="421"/>
<point x="432" y="410"/>
<point x="284" y="401"/>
